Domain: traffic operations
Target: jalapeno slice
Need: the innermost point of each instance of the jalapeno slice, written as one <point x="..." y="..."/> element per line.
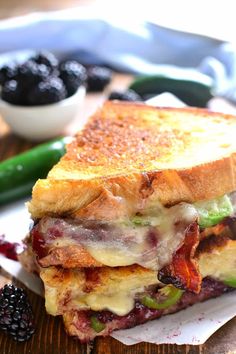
<point x="97" y="325"/>
<point x="19" y="173"/>
<point x="214" y="211"/>
<point x="230" y="282"/>
<point x="169" y="296"/>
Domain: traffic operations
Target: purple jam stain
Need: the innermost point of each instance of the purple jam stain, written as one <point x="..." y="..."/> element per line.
<point x="152" y="237"/>
<point x="10" y="249"/>
<point x="38" y="243"/>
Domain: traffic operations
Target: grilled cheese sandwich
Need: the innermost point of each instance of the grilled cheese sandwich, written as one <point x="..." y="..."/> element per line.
<point x="135" y="219"/>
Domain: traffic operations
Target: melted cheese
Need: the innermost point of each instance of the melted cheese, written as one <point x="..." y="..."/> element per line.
<point x="220" y="263"/>
<point x="168" y="239"/>
<point x="113" y="257"/>
<point x="148" y="240"/>
<point x="120" y="303"/>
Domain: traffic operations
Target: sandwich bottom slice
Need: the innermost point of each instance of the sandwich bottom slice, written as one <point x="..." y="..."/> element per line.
<point x="97" y="301"/>
<point x="87" y="324"/>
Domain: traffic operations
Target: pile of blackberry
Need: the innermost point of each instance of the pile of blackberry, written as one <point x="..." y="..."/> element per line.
<point x="98" y="78"/>
<point x="16" y="317"/>
<point x="128" y="95"/>
<point x="40" y="80"/>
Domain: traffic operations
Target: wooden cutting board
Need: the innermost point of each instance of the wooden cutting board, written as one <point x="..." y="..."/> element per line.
<point x="50" y="337"/>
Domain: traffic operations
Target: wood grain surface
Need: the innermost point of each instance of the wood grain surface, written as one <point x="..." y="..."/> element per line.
<point x="22" y="7"/>
<point x="50" y="337"/>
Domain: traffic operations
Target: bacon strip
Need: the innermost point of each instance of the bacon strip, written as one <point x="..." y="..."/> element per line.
<point x="183" y="272"/>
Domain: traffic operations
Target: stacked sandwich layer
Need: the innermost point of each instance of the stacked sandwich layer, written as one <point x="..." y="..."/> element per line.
<point x="137" y="219"/>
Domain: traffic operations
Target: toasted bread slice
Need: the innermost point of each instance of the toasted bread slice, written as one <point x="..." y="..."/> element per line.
<point x="97" y="287"/>
<point x="130" y="156"/>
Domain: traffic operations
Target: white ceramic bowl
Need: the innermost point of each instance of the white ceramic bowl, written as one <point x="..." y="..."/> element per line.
<point x="37" y="123"/>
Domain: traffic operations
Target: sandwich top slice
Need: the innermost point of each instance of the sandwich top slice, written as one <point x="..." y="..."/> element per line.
<point x="130" y="158"/>
<point x="142" y="193"/>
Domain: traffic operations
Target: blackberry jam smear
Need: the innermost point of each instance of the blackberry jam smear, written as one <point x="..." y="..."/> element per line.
<point x="10" y="249"/>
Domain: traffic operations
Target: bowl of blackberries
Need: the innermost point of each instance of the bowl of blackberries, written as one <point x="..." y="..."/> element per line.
<point x="40" y="96"/>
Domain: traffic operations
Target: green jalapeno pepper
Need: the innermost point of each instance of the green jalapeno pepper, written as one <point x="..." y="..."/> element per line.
<point x="19" y="173"/>
<point x="230" y="282"/>
<point x="171" y="296"/>
<point x="190" y="86"/>
<point x="214" y="211"/>
<point x="97" y="325"/>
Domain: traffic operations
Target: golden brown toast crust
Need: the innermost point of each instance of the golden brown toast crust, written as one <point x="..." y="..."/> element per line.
<point x="130" y="156"/>
<point x="69" y="257"/>
<point x="97" y="280"/>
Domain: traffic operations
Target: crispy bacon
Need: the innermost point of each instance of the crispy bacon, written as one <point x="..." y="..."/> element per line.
<point x="183" y="272"/>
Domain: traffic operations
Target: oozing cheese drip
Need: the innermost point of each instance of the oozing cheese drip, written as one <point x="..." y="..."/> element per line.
<point x="120" y="303"/>
<point x="150" y="243"/>
<point x="153" y="245"/>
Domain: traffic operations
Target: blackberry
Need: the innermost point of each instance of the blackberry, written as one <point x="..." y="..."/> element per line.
<point x="46" y="92"/>
<point x="7" y="72"/>
<point x="46" y="58"/>
<point x="73" y="75"/>
<point x="11" y="92"/>
<point x="98" y="78"/>
<point x="16" y="317"/>
<point x="31" y="73"/>
<point x="128" y="95"/>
